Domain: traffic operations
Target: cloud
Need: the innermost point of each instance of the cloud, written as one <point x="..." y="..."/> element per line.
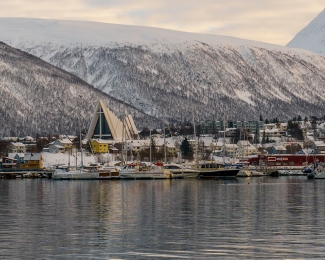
<point x="267" y="21"/>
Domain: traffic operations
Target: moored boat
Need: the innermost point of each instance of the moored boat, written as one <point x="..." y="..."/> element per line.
<point x="244" y="173"/>
<point x="92" y="172"/>
<point x="215" y="170"/>
<point x="179" y="171"/>
<point x="142" y="171"/>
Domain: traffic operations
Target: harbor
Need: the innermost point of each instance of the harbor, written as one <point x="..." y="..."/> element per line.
<point x="242" y="218"/>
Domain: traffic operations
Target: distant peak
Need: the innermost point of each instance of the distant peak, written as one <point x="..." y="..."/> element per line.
<point x="312" y="37"/>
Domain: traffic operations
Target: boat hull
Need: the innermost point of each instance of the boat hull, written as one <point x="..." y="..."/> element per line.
<point x="224" y="173"/>
<point x="183" y="174"/>
<point x="144" y="175"/>
<point x="320" y="175"/>
<point x="74" y="176"/>
<point x="63" y="174"/>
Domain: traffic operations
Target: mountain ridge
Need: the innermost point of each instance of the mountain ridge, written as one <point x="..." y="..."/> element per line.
<point x="38" y="97"/>
<point x="169" y="74"/>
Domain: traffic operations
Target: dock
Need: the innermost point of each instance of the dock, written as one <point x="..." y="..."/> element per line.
<point x="25" y="174"/>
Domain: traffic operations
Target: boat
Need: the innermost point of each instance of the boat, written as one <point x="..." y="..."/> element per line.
<point x="256" y="173"/>
<point x="91" y="172"/>
<point x="179" y="171"/>
<point x="317" y="173"/>
<point x="214" y="170"/>
<point x="274" y="173"/>
<point x="142" y="171"/>
<point x="244" y="173"/>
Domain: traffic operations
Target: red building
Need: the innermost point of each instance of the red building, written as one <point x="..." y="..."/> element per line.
<point x="8" y="163"/>
<point x="286" y="160"/>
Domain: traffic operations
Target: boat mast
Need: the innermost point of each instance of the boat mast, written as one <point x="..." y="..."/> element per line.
<point x="165" y="141"/>
<point x="150" y="145"/>
<point x="224" y="139"/>
<point x="195" y="143"/>
<point x="80" y="146"/>
<point x="123" y="135"/>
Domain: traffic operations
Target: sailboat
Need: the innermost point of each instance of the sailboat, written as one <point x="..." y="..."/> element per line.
<point x="90" y="172"/>
<point x="140" y="170"/>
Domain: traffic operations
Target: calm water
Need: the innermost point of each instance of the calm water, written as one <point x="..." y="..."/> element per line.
<point x="260" y="217"/>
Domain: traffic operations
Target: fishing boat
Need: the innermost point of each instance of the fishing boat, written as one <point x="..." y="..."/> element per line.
<point x="179" y="171"/>
<point x="214" y="170"/>
<point x="142" y="171"/>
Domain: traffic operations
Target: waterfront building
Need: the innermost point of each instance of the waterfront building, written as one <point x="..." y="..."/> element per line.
<point x="32" y="161"/>
<point x="8" y="163"/>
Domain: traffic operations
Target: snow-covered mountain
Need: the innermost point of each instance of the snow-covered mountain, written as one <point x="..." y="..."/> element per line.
<point x="162" y="71"/>
<point x="312" y="37"/>
<point x="38" y="97"/>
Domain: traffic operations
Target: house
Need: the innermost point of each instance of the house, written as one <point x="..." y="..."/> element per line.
<point x="18" y="156"/>
<point x="319" y="146"/>
<point x="99" y="146"/>
<point x="277" y="149"/>
<point x="32" y="161"/>
<point x="66" y="143"/>
<point x="231" y="149"/>
<point x="137" y="145"/>
<point x="54" y="148"/>
<point x="17" y="147"/>
<point x="8" y="163"/>
<point x="245" y="148"/>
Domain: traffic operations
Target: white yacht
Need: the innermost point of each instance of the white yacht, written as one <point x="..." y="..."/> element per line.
<point x="179" y="171"/>
<point x="142" y="171"/>
<point x="92" y="172"/>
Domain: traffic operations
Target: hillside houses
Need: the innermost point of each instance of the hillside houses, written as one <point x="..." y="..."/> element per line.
<point x="270" y="138"/>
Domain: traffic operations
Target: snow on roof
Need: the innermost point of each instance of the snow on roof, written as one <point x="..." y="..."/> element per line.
<point x="32" y="156"/>
<point x="319" y="143"/>
<point x="233" y="146"/>
<point x="279" y="147"/>
<point x="243" y="142"/>
<point x="12" y="155"/>
<point x="65" y="141"/>
<point x="58" y="146"/>
<point x="18" y="144"/>
<point x="101" y="141"/>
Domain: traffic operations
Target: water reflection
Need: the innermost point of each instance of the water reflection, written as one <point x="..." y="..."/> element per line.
<point x="243" y="218"/>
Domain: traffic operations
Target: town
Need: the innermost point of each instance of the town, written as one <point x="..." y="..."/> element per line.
<point x="109" y="141"/>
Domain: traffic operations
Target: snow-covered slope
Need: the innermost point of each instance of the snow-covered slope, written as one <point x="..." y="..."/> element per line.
<point x="38" y="97"/>
<point x="164" y="72"/>
<point x="312" y="37"/>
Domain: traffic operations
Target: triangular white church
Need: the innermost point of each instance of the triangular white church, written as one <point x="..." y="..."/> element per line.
<point x="105" y="125"/>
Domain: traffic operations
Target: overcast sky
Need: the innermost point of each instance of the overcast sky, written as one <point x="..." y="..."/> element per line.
<point x="272" y="21"/>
